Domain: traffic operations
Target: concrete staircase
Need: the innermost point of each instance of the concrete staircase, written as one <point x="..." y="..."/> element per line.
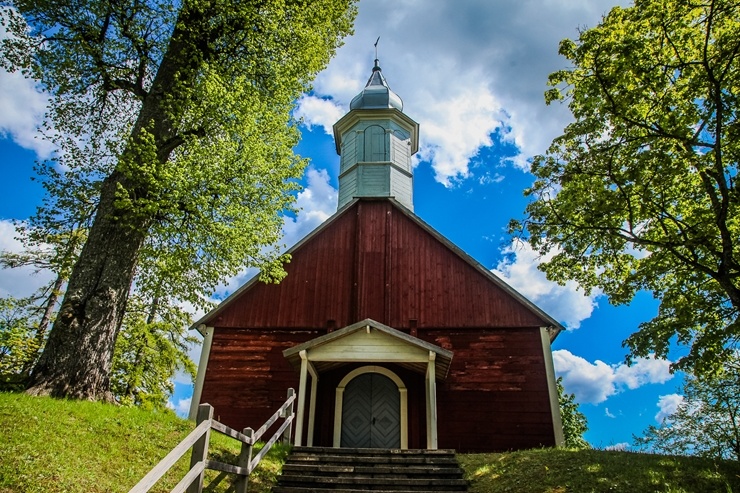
<point x="335" y="470"/>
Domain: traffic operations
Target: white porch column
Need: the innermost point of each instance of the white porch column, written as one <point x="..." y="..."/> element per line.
<point x="338" y="401"/>
<point x="312" y="405"/>
<point x="431" y="394"/>
<point x="301" y="400"/>
<point x="205" y="351"/>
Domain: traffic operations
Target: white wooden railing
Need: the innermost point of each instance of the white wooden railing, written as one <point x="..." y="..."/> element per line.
<point x="198" y="439"/>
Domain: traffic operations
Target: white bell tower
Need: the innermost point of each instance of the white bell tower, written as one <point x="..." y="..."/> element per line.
<point x="376" y="141"/>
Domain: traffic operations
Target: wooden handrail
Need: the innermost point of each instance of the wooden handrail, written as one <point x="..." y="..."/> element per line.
<point x="198" y="440"/>
<point x="170" y="459"/>
<point x="269" y="444"/>
<point x="271" y="420"/>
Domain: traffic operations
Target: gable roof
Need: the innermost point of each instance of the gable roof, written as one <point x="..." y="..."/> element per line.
<point x="376" y="259"/>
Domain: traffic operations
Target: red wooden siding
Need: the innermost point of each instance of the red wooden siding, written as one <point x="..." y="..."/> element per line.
<point x="373" y="261"/>
<point x="247" y="376"/>
<point x="496" y="396"/>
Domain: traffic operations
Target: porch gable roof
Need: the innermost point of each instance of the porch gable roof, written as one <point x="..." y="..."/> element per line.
<point x="372" y="342"/>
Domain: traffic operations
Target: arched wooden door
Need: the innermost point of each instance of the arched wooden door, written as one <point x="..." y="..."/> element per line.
<point x="371" y="413"/>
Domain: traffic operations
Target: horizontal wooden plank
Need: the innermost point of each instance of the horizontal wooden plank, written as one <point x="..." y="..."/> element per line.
<point x="228" y="431"/>
<point x="224" y="467"/>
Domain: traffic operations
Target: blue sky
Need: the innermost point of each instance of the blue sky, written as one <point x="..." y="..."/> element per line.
<point x="473" y="75"/>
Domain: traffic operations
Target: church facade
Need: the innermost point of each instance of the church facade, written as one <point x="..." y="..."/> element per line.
<point x="392" y="336"/>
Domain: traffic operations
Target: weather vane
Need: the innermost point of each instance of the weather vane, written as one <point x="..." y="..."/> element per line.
<point x="376" y="47"/>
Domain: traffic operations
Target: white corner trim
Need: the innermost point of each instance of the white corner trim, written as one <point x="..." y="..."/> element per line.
<point x="552" y="388"/>
<point x="200" y="377"/>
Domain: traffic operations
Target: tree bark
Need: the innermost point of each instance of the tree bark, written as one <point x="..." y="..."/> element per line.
<point x="77" y="359"/>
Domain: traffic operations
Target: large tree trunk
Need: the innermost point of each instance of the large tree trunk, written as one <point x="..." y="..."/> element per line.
<point x="77" y="359"/>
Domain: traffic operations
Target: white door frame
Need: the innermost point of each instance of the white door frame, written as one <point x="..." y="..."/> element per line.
<point x="402" y="391"/>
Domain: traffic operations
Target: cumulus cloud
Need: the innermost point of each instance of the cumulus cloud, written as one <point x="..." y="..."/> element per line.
<point x="567" y="304"/>
<point x="182" y="407"/>
<point x="23" y="104"/>
<point x="23" y="107"/>
<point x="22" y="281"/>
<point x="316" y="111"/>
<point x="618" y="447"/>
<point x="316" y="203"/>
<point x="464" y="70"/>
<point x="668" y="405"/>
<point x="596" y="382"/>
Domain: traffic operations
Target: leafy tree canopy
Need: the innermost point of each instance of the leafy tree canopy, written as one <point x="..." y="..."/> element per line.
<point x="707" y="422"/>
<point x="150" y="350"/>
<point x="641" y="190"/>
<point x="19" y="345"/>
<point x="175" y="133"/>
<point x="574" y="421"/>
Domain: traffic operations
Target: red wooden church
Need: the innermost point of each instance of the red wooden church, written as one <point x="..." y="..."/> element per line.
<point x="392" y="336"/>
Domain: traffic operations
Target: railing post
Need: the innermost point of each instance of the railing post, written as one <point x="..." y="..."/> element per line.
<point x="287" y="414"/>
<point x="200" y="448"/>
<point x="245" y="458"/>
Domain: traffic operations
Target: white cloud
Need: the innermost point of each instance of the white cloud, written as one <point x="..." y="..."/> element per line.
<point x="22" y="281"/>
<point x="618" y="447"/>
<point x="607" y="413"/>
<point x="318" y="111"/>
<point x="463" y="70"/>
<point x="182" y="408"/>
<point x="668" y="405"/>
<point x="567" y="304"/>
<point x="316" y="203"/>
<point x="456" y="128"/>
<point x="643" y="371"/>
<point x="596" y="382"/>
<point x="590" y="382"/>
<point x="22" y="106"/>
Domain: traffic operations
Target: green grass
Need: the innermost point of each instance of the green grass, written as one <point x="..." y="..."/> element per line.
<point x="52" y="445"/>
<point x="561" y="471"/>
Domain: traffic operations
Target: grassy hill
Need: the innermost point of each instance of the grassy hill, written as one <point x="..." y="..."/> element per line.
<point x="581" y="471"/>
<point x="49" y="445"/>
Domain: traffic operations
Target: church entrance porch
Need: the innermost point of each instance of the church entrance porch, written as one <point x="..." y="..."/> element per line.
<point x="370" y="407"/>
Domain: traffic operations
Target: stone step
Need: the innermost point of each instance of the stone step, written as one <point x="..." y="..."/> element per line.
<point x="373" y="451"/>
<point x="319" y="469"/>
<point x="370" y="471"/>
<point x="297" y="489"/>
<point x="388" y="460"/>
<point x="416" y="484"/>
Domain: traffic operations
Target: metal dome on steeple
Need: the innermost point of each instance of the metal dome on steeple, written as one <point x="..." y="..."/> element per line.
<point x="376" y="140"/>
<point x="377" y="94"/>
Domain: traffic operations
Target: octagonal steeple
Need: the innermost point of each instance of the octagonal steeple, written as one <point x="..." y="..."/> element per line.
<point x="376" y="141"/>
